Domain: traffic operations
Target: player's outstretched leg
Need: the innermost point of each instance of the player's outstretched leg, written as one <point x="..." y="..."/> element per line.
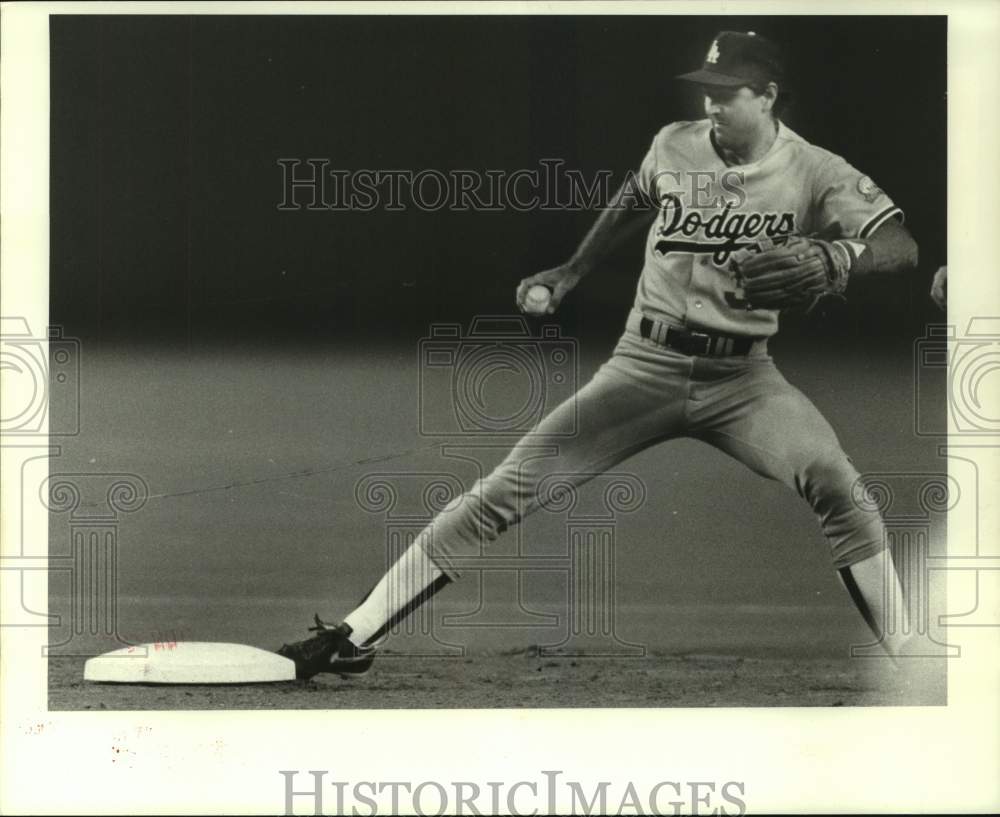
<point x="350" y="647"/>
<point x="875" y="589"/>
<point x="828" y="480"/>
<point x="774" y="429"/>
<point x="611" y="418"/>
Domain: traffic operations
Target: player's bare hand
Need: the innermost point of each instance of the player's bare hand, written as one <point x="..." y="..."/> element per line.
<point x="560" y="280"/>
<point x="939" y="287"/>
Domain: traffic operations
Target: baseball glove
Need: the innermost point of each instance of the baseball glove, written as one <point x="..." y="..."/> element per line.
<point x="794" y="275"/>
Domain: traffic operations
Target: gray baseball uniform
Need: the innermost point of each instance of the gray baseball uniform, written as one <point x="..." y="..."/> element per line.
<point x="718" y="385"/>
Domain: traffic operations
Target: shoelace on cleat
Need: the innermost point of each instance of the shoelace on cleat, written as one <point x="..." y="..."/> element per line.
<point x="351" y="651"/>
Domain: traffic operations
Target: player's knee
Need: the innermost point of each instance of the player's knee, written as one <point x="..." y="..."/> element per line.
<point x="854" y="531"/>
<point x="828" y="480"/>
<point x="513" y="490"/>
<point x="483" y="512"/>
<point x="827" y="485"/>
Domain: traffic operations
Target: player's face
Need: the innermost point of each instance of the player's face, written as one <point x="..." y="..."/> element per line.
<point x="736" y="113"/>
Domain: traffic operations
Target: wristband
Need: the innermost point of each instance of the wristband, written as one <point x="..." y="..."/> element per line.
<point x="842" y="259"/>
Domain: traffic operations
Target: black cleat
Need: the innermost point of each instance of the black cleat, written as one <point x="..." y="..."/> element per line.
<point x="328" y="651"/>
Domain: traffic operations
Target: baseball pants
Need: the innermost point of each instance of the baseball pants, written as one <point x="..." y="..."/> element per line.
<point x="646" y="394"/>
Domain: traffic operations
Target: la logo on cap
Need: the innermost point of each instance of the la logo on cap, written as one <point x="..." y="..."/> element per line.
<point x="713" y="53"/>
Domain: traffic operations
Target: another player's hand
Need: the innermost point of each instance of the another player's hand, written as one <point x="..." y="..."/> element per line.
<point x="939" y="287"/>
<point x="559" y="279"/>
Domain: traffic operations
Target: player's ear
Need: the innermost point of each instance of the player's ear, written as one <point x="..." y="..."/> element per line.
<point x="769" y="96"/>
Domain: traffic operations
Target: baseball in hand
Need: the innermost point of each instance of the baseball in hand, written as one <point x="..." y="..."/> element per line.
<point x="536" y="301"/>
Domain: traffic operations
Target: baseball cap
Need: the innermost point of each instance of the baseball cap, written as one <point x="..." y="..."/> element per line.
<point x="738" y="58"/>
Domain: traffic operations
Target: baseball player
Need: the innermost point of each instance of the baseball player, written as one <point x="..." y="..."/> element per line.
<point x="745" y="219"/>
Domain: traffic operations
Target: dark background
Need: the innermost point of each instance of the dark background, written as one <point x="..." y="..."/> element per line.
<point x="166" y="133"/>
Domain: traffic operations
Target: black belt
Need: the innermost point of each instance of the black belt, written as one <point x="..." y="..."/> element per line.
<point x="694" y="343"/>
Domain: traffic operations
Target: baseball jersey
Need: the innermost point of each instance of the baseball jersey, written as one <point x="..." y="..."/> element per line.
<point x="709" y="210"/>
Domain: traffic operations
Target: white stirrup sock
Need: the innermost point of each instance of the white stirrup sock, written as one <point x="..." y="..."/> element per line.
<point x="878" y="595"/>
<point x="412" y="580"/>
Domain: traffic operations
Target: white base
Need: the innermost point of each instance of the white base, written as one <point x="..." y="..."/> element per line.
<point x="189" y="662"/>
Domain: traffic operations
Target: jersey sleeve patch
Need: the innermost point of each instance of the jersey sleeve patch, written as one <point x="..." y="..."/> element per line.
<point x="849" y="199"/>
<point x="868" y="189"/>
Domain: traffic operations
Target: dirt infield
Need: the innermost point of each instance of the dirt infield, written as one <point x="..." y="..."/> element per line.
<point x="249" y="530"/>
<point x="522" y="680"/>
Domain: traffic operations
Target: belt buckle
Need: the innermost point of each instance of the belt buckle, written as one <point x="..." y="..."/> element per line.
<point x="698" y="343"/>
